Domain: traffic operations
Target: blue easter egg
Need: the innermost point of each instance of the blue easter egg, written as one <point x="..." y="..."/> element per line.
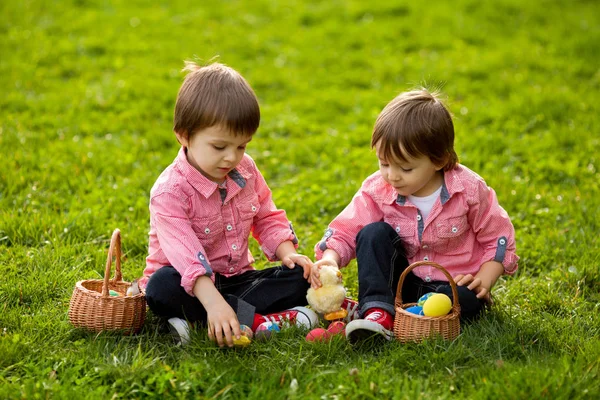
<point x="418" y="310"/>
<point x="424" y="298"/>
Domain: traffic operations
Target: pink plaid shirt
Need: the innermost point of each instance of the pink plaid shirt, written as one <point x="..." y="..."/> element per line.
<point x="466" y="226"/>
<point x="201" y="229"/>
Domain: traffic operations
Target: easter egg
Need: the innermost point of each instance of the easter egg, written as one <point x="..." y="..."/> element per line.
<point x="437" y="305"/>
<point x="418" y="310"/>
<point x="114" y="293"/>
<point x="318" y="335"/>
<point x="424" y="298"/>
<point x="242" y="341"/>
<point x="265" y="330"/>
<point x="246" y="331"/>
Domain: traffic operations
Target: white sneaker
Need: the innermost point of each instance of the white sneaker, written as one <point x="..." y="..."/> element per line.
<point x="180" y="329"/>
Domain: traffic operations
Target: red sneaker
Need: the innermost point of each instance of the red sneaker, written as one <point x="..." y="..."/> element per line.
<point x="351" y="306"/>
<point x="376" y="322"/>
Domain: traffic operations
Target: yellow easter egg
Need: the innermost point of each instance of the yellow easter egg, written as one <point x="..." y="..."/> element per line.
<point x="437" y="305"/>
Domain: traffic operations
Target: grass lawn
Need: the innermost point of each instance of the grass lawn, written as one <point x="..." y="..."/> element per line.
<point x="87" y="93"/>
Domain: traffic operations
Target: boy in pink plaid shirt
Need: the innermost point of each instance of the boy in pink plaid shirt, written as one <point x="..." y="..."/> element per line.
<point x="420" y="206"/>
<point x="204" y="206"/>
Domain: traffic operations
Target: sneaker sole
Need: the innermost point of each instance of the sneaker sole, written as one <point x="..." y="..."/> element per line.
<point x="179" y="330"/>
<point x="360" y="330"/>
<point x="311" y="318"/>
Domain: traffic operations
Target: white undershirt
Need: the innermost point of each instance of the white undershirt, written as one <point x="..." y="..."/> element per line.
<point x="425" y="204"/>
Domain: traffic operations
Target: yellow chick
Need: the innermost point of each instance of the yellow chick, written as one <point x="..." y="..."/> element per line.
<point x="329" y="297"/>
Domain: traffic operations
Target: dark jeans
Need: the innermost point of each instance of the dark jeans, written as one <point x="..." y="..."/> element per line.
<point x="262" y="291"/>
<point x="381" y="261"/>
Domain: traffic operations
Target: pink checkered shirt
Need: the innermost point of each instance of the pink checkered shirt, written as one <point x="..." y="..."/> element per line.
<point x="466" y="226"/>
<point x="201" y="229"/>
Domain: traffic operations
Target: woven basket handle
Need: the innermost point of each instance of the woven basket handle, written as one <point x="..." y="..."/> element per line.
<point x="114" y="249"/>
<point x="455" y="303"/>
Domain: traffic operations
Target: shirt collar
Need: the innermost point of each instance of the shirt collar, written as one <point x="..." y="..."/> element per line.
<point x="202" y="184"/>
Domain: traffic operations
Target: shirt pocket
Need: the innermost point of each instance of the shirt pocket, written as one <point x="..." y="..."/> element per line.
<point x="247" y="209"/>
<point x="209" y="230"/>
<point x="451" y="233"/>
<point x="407" y="231"/>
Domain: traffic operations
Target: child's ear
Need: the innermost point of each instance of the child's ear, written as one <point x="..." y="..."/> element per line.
<point x="439" y="166"/>
<point x="182" y="137"/>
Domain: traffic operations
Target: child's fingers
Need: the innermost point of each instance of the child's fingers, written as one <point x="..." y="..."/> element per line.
<point x="211" y="332"/>
<point x="219" y="336"/>
<point x="474" y="284"/>
<point x="228" y="337"/>
<point x="235" y="328"/>
<point x="465" y="280"/>
<point x="483" y="294"/>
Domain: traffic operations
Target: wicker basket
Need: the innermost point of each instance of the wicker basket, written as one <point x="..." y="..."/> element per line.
<point x="93" y="308"/>
<point x="409" y="327"/>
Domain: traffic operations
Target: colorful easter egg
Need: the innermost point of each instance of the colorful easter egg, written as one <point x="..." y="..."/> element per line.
<point x="266" y="330"/>
<point x="424" y="298"/>
<point x="246" y="331"/>
<point x="437" y="305"/>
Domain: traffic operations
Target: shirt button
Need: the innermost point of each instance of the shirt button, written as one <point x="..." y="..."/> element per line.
<point x="425" y="258"/>
<point x="397" y="229"/>
<point x="502" y="242"/>
<point x="231" y="269"/>
<point x="454" y="229"/>
<point x="427" y="278"/>
<point x="253" y="208"/>
<point x="207" y="231"/>
<point x="229" y="227"/>
<point x="418" y="217"/>
<point x="234" y="247"/>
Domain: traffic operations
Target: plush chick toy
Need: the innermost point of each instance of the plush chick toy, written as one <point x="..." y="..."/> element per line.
<point x="328" y="298"/>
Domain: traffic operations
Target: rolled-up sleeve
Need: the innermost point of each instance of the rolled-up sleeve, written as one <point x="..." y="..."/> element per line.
<point x="340" y="236"/>
<point x="270" y="226"/>
<point x="493" y="229"/>
<point x="178" y="240"/>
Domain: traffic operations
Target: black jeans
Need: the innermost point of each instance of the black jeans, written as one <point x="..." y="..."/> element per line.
<point x="262" y="291"/>
<point x="381" y="261"/>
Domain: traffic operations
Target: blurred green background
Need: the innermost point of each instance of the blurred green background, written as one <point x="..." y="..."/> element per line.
<point x="87" y="95"/>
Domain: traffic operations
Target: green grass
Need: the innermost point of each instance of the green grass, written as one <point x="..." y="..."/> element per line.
<point x="88" y="89"/>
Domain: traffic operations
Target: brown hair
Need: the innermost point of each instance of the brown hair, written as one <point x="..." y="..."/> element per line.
<point x="215" y="94"/>
<point x="416" y="123"/>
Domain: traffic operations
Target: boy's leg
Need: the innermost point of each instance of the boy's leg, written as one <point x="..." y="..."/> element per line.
<point x="381" y="261"/>
<point x="166" y="298"/>
<point x="276" y="293"/>
<point x="269" y="290"/>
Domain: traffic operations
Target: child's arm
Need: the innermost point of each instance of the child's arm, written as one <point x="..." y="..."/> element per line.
<point x="222" y="320"/>
<point x="483" y="281"/>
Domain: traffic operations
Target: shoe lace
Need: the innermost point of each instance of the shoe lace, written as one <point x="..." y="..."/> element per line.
<point x="278" y="318"/>
<point x="351" y="308"/>
<point x="374" y="316"/>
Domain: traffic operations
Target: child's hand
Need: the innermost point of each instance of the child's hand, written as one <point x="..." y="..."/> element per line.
<point x="292" y="259"/>
<point x="222" y="323"/>
<point x="315" y="281"/>
<point x="475" y="284"/>
<point x="483" y="281"/>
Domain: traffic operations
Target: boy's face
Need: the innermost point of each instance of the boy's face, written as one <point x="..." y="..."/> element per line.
<point x="214" y="151"/>
<point x="417" y="176"/>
